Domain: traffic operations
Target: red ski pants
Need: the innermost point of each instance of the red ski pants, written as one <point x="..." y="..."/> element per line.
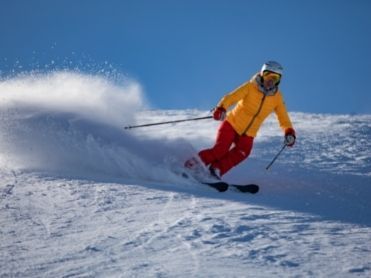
<point x="221" y="155"/>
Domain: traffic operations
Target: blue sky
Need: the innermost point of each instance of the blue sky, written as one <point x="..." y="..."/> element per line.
<point x="189" y="53"/>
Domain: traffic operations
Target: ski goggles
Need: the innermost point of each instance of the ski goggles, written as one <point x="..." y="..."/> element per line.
<point x="272" y="75"/>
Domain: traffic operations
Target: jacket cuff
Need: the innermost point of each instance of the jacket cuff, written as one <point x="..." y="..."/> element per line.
<point x="290" y="131"/>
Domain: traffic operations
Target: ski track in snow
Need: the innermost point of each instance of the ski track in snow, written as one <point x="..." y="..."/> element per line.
<point x="80" y="197"/>
<point x="61" y="228"/>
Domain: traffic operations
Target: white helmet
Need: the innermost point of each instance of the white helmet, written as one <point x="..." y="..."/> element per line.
<point x="273" y="67"/>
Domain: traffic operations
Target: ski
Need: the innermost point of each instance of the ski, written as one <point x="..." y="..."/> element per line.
<point x="220" y="186"/>
<point x="247" y="188"/>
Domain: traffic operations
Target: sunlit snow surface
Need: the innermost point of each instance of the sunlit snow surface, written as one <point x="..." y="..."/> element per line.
<point x="80" y="196"/>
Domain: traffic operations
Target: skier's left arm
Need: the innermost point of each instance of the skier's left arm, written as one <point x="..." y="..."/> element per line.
<point x="285" y="122"/>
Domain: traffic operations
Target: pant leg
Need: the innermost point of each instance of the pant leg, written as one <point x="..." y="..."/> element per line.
<point x="241" y="150"/>
<point x="225" y="137"/>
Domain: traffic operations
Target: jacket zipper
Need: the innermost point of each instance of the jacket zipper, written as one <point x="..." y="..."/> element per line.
<point x="256" y="114"/>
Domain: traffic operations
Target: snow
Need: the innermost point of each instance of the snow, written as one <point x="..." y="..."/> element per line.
<point x="80" y="196"/>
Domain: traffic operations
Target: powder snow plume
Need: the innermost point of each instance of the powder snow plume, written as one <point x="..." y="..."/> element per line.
<point x="69" y="123"/>
<point x="90" y="96"/>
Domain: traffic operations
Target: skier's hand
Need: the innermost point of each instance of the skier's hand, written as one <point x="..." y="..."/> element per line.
<point x="290" y="137"/>
<point x="219" y="114"/>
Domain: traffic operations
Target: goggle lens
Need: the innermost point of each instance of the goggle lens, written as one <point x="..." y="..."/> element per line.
<point x="272" y="75"/>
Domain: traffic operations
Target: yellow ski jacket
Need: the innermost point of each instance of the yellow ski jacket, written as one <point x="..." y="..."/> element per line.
<point x="253" y="106"/>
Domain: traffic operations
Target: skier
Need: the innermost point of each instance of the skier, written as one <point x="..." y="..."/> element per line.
<point x="254" y="101"/>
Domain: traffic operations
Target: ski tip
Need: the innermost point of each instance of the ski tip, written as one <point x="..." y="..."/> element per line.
<point x="249" y="188"/>
<point x="254" y="188"/>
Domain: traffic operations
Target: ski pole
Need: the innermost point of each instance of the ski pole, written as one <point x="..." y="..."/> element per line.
<point x="169" y="122"/>
<point x="277" y="155"/>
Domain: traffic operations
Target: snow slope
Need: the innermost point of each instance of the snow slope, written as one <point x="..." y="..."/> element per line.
<point x="82" y="197"/>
